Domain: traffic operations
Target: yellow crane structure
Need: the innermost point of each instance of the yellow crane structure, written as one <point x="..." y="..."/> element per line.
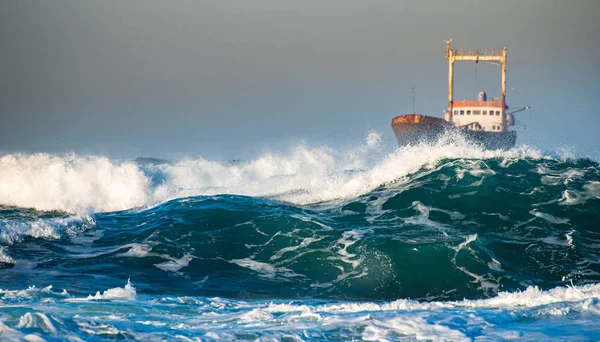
<point x="487" y="55"/>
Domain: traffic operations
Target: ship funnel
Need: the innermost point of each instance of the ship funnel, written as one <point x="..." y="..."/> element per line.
<point x="482" y="96"/>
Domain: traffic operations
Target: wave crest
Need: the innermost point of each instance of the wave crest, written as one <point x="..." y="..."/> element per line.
<point x="71" y="183"/>
<point x="305" y="175"/>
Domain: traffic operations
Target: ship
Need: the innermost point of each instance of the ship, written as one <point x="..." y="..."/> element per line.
<point x="483" y="122"/>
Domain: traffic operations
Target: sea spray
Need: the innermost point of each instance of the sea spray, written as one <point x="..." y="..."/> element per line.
<point x="427" y="242"/>
<point x="80" y="184"/>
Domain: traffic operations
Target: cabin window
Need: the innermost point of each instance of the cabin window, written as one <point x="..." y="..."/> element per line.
<point x="485" y="112"/>
<point x="497" y="112"/>
<point x="455" y="112"/>
<point x="462" y="112"/>
<point x="476" y="112"/>
<point x="468" y="112"/>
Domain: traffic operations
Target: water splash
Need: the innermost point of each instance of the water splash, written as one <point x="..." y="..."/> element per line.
<point x="80" y="184"/>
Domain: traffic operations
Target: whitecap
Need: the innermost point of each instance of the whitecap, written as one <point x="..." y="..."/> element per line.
<point x="304" y="175"/>
<point x="118" y="293"/>
<point x="37" y="320"/>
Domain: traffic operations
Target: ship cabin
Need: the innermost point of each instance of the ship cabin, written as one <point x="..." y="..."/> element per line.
<point x="480" y="115"/>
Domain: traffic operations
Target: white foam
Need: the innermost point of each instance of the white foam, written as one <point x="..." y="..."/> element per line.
<point x="256" y="315"/>
<point x="486" y="282"/>
<point x="548" y="217"/>
<point x="555" y="178"/>
<point x="411" y="326"/>
<point x="136" y="251"/>
<point x="500" y="317"/>
<point x="5" y="258"/>
<point x="33" y="338"/>
<point x="348" y="239"/>
<point x="70" y="183"/>
<point x="9" y="333"/>
<point x="171" y="264"/>
<point x="422" y="218"/>
<point x="51" y="229"/>
<point x="37" y="320"/>
<point x="263" y="269"/>
<point x="591" y="190"/>
<point x="31" y="292"/>
<point x="176" y="264"/>
<point x="532" y="297"/>
<point x="305" y="242"/>
<point x="93" y="328"/>
<point x="305" y="175"/>
<point x="124" y="293"/>
<point x="323" y="176"/>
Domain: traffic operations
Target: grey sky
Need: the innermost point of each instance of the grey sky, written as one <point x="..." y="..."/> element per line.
<point x="228" y="79"/>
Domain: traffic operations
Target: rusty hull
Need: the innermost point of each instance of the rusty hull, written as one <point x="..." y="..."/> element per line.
<point x="412" y="129"/>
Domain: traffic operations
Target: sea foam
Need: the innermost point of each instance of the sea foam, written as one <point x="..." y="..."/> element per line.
<point x="71" y="183"/>
<point x="76" y="184"/>
<point x="522" y="314"/>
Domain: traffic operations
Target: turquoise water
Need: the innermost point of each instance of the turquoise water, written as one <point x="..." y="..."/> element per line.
<point x="442" y="242"/>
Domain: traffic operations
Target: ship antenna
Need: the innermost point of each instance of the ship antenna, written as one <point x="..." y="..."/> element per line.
<point x="413" y="99"/>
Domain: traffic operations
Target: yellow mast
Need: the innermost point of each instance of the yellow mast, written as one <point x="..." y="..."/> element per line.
<point x="477" y="55"/>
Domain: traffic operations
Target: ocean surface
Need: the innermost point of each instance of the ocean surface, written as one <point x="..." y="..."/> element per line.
<point x="440" y="242"/>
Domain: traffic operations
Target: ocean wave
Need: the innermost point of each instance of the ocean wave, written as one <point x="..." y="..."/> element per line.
<point x="558" y="313"/>
<point x="71" y="183"/>
<point x="12" y="231"/>
<point x="76" y="184"/>
<point x="397" y="241"/>
<point x="440" y="223"/>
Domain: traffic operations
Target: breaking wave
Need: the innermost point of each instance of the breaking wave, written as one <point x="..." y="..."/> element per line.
<point x="81" y="184"/>
<point x="441" y="222"/>
<point x="444" y="241"/>
<point x="124" y="315"/>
